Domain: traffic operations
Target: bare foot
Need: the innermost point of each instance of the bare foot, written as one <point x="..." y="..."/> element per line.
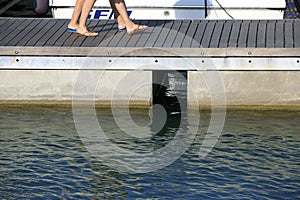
<point x="87" y="33"/>
<point x="136" y="28"/>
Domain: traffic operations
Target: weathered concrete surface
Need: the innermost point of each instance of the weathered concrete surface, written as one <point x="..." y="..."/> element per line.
<point x="62" y="85"/>
<point x="241" y="88"/>
<point x="245" y="88"/>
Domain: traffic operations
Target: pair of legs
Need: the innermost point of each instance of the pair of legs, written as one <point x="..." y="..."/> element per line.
<point x="82" y="9"/>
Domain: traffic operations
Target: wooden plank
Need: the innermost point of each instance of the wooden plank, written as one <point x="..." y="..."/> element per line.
<point x="296" y="34"/>
<point x="288" y="34"/>
<point x="136" y="37"/>
<point x="8" y="29"/>
<point x="29" y="32"/>
<point x="58" y="24"/>
<point x="107" y="33"/>
<point x="66" y="38"/>
<point x="144" y="38"/>
<point x="90" y="41"/>
<point x="117" y="38"/>
<point x="181" y="33"/>
<point x="163" y="34"/>
<point x="208" y="34"/>
<point x="111" y="35"/>
<point x="216" y="36"/>
<point x="252" y="34"/>
<point x="43" y="29"/>
<point x="172" y="34"/>
<point x="156" y="33"/>
<point x="270" y="41"/>
<point x="34" y="35"/>
<point x="124" y="41"/>
<point x="13" y="38"/>
<point x="63" y="38"/>
<point x="190" y="34"/>
<point x="72" y="37"/>
<point x="225" y="35"/>
<point x="58" y="37"/>
<point x="74" y="40"/>
<point x="3" y="21"/>
<point x="91" y="25"/>
<point x="11" y="31"/>
<point x="105" y="29"/>
<point x="279" y="34"/>
<point x="19" y="36"/>
<point x="261" y="34"/>
<point x="243" y="35"/>
<point x="199" y="34"/>
<point x="235" y="32"/>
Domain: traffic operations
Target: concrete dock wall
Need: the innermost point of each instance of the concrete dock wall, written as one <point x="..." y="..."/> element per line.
<point x="247" y="88"/>
<point x="250" y="88"/>
<point x="60" y="86"/>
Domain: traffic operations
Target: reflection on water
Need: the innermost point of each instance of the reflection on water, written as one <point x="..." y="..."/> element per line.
<point x="42" y="156"/>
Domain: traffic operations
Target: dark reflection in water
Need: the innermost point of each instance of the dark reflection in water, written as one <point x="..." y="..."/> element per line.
<point x="42" y="157"/>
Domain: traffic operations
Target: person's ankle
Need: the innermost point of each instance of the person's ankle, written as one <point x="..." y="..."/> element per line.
<point x="82" y="28"/>
<point x="73" y="26"/>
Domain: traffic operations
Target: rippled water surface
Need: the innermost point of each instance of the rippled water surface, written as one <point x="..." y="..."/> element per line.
<point x="42" y="157"/>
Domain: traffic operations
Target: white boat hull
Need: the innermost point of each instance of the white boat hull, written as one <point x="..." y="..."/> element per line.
<point x="174" y="9"/>
<point x="170" y="14"/>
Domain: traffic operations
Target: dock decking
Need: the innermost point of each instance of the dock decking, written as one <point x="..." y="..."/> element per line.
<point x="193" y="39"/>
<point x="161" y="34"/>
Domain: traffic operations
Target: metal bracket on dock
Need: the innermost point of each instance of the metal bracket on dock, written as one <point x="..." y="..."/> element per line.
<point x="148" y="52"/>
<point x="149" y="58"/>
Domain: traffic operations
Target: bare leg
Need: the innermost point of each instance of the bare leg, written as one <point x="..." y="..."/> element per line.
<point x="121" y="23"/>
<point x="76" y="14"/>
<point x="121" y="10"/>
<point x="86" y="8"/>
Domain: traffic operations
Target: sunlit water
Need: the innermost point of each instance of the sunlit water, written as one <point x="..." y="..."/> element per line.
<point x="42" y="157"/>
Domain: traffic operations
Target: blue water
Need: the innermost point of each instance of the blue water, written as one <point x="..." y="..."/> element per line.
<point x="42" y="157"/>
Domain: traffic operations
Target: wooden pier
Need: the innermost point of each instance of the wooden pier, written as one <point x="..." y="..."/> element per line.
<point x="231" y="45"/>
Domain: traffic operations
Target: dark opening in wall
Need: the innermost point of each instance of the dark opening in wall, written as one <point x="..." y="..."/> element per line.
<point x="169" y="89"/>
